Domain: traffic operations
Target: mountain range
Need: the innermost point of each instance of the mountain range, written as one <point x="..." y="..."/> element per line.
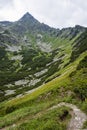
<point x="41" y="66"/>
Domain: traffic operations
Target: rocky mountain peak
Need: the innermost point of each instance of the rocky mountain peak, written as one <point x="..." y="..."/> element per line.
<point x="27" y="17"/>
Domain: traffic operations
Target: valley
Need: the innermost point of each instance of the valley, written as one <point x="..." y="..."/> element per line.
<point x="41" y="69"/>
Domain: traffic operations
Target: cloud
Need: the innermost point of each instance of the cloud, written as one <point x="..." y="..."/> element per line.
<point x="55" y="13"/>
<point x="5" y="3"/>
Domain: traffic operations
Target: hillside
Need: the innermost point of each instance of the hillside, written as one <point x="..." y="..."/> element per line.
<point x="41" y="67"/>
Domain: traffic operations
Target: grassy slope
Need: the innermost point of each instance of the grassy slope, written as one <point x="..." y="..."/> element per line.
<point x="59" y="89"/>
<point x="32" y="57"/>
<point x="53" y="120"/>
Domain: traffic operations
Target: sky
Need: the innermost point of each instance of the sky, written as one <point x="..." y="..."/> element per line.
<point x="56" y="13"/>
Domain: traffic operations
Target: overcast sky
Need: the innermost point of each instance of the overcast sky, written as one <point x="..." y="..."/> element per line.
<point x="56" y="13"/>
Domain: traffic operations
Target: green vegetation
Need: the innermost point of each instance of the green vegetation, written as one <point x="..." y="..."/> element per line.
<point x="79" y="46"/>
<point x="52" y="120"/>
<point x="34" y="55"/>
<point x="58" y="90"/>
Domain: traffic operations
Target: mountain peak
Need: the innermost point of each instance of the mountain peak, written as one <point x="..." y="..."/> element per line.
<point x="27" y="17"/>
<point x="27" y="13"/>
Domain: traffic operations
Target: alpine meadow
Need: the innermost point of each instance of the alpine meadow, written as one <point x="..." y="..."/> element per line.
<point x="43" y="76"/>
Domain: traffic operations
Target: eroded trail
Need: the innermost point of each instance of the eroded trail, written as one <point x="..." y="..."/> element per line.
<point x="76" y="122"/>
<point x="78" y="117"/>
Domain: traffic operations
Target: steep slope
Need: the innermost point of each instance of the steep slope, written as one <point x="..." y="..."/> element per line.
<point x="69" y="87"/>
<point x="40" y="68"/>
<point x="79" y="46"/>
<point x="32" y="54"/>
<point x="29" y="24"/>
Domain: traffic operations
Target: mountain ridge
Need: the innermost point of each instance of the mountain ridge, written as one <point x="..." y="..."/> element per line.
<point x="40" y="68"/>
<point x="27" y="16"/>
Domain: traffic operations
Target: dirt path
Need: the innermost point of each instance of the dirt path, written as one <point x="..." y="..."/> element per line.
<point x="76" y="122"/>
<point x="78" y="117"/>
